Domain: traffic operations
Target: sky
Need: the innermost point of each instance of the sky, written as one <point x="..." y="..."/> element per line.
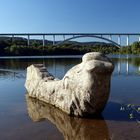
<point x="62" y="16"/>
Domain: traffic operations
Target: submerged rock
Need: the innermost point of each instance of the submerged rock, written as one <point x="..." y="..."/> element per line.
<point x="83" y="91"/>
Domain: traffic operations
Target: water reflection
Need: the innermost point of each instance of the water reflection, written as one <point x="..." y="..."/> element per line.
<point x="59" y="66"/>
<point x="11" y="74"/>
<point x="125" y="90"/>
<point x="71" y="128"/>
<point x="126" y="66"/>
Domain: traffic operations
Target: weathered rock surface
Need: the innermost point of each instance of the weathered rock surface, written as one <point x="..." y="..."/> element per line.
<point x="83" y="91"/>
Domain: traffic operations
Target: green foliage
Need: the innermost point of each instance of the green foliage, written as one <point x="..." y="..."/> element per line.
<point x="23" y="50"/>
<point x="3" y="45"/>
<point x="35" y="43"/>
<point x="135" y="48"/>
<point x="132" y="112"/>
<point x="18" y="46"/>
<point x="65" y="49"/>
<point x="126" y="50"/>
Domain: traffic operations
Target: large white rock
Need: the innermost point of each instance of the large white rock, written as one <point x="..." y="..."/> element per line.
<point x="83" y="91"/>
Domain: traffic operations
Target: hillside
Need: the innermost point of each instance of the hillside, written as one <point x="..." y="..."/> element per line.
<point x="19" y="46"/>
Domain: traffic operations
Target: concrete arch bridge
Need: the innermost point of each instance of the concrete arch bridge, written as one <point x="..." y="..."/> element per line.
<point x="64" y="37"/>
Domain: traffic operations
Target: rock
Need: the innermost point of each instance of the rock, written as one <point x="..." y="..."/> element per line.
<point x="83" y="91"/>
<point x="72" y="128"/>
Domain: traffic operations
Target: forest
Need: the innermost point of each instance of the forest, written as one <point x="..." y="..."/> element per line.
<point x="19" y="47"/>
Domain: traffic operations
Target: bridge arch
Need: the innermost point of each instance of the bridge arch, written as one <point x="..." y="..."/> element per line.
<point x="93" y="36"/>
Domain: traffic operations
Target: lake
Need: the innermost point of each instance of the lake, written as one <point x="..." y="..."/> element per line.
<point x="24" y="118"/>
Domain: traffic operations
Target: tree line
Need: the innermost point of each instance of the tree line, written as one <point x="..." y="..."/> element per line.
<point x="19" y="47"/>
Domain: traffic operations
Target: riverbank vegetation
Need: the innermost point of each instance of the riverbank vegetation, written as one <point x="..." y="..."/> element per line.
<point x="19" y="47"/>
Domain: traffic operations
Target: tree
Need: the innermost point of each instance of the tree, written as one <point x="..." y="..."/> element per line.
<point x="135" y="47"/>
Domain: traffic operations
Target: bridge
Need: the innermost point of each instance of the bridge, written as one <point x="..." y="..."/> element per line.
<point x="69" y="36"/>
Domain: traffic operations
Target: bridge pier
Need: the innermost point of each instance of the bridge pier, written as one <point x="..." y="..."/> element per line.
<point x="119" y="40"/>
<point x="53" y="39"/>
<point x="110" y="37"/>
<point x="139" y="38"/>
<point x="127" y="43"/>
<point x="28" y="40"/>
<point x="64" y="37"/>
<point x="43" y="40"/>
<point x="12" y="38"/>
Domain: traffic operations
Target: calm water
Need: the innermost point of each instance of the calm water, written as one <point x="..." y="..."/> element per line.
<point x="23" y="118"/>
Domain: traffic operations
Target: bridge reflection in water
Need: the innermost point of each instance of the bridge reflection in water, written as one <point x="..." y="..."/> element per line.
<point x="127" y="66"/>
<point x="15" y="68"/>
<point x="123" y="66"/>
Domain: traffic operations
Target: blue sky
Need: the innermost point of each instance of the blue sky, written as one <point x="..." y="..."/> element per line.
<point x="43" y="16"/>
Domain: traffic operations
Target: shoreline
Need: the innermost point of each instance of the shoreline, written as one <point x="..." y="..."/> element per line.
<point x="66" y="56"/>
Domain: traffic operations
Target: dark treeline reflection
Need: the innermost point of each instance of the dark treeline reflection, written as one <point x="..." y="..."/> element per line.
<point x="21" y="64"/>
<point x="134" y="61"/>
<point x="56" y="66"/>
<point x="59" y="66"/>
<point x="71" y="128"/>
